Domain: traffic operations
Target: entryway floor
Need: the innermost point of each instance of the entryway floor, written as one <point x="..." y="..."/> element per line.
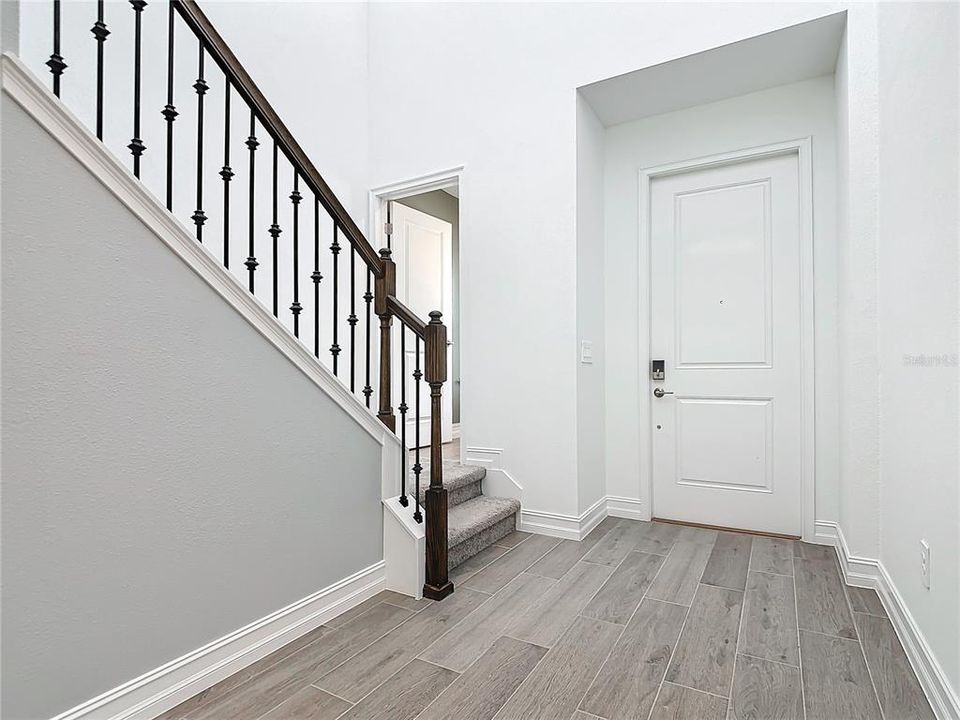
<point x="639" y="620"/>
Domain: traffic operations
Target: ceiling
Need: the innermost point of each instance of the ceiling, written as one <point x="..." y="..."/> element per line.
<point x="792" y="54"/>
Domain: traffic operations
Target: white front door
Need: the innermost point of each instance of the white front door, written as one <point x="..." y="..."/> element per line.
<point x="423" y="252"/>
<point x="726" y="314"/>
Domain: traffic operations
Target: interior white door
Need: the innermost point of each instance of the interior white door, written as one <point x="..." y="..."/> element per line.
<point x="423" y="252"/>
<point x="726" y="313"/>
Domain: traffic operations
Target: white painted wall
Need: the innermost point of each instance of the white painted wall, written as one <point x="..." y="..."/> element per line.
<point x="858" y="170"/>
<point x="917" y="252"/>
<point x="770" y="116"/>
<point x="591" y="420"/>
<point x="502" y="101"/>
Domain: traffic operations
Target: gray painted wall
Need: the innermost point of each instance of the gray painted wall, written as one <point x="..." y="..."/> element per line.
<point x="168" y="476"/>
<point x="446" y="207"/>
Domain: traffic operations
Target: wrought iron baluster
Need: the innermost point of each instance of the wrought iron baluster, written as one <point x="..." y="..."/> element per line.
<point x="199" y="217"/>
<point x="252" y="143"/>
<point x="295" y="307"/>
<point x="275" y="234"/>
<point x="367" y="298"/>
<point x="335" y="249"/>
<point x="100" y="33"/>
<point x="169" y="111"/>
<point x="56" y="63"/>
<point x="352" y="318"/>
<point x="316" y="277"/>
<point x="403" y="415"/>
<point x="417" y="467"/>
<point x="226" y="172"/>
<point x="136" y="145"/>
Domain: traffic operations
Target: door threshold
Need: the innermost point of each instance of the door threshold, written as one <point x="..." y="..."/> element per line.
<point x="760" y="533"/>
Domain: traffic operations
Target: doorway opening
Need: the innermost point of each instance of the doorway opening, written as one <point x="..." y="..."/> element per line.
<point x="419" y="221"/>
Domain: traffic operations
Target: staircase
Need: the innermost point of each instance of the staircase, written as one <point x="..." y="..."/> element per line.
<point x="288" y="242"/>
<point x="474" y="520"/>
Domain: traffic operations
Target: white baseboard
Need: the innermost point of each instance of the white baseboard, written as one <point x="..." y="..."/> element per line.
<point x="166" y="687"/>
<point x="624" y="507"/>
<point x="568" y="527"/>
<point x="869" y="573"/>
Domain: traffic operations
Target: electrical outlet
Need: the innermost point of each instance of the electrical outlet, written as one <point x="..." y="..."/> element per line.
<point x="925" y="563"/>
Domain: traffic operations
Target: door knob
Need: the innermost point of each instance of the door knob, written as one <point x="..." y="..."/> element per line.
<point x="660" y="392"/>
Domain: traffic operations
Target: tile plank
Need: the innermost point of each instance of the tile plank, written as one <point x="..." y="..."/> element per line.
<point x="472" y="565"/>
<point x="770" y="619"/>
<point x="483" y="689"/>
<point x="309" y="704"/>
<point x="809" y="551"/>
<point x="772" y="555"/>
<point x="501" y="571"/>
<point x="836" y="683"/>
<point x="656" y="538"/>
<point x="623" y="591"/>
<point x="706" y="652"/>
<point x="388" y="596"/>
<point x="897" y="686"/>
<point x="555" y="686"/>
<point x="691" y="533"/>
<point x="865" y="600"/>
<point x="680" y="575"/>
<point x="478" y="632"/>
<point x="404" y="695"/>
<point x="682" y="703"/>
<point x="546" y="619"/>
<point x="763" y="689"/>
<point x="614" y="546"/>
<point x="378" y="662"/>
<point x="627" y="683"/>
<point x="513" y="539"/>
<point x="729" y="560"/>
<point x="556" y="563"/>
<point x="269" y="689"/>
<point x="821" y="602"/>
<point x="227" y="685"/>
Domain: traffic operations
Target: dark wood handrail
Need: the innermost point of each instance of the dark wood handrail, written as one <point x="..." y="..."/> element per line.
<point x="407" y="316"/>
<point x="244" y="84"/>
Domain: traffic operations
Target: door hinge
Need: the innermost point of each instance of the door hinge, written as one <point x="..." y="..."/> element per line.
<point x="388" y="228"/>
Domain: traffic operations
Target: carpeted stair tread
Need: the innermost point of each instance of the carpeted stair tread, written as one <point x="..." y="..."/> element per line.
<point x="457" y="479"/>
<point x="476" y="515"/>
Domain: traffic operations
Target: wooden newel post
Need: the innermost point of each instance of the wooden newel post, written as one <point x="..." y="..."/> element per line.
<point x="384" y="286"/>
<point x="437" y="585"/>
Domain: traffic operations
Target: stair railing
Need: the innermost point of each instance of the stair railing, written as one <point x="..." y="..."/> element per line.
<point x="377" y="277"/>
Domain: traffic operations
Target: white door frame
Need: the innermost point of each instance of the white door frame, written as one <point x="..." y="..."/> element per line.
<point x="377" y="214"/>
<point x="802" y="148"/>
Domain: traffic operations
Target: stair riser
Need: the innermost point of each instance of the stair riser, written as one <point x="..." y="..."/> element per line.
<point x="470" y="547"/>
<point x="458" y="495"/>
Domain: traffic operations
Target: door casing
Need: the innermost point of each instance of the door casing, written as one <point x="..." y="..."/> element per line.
<point x="378" y="198"/>
<point x="802" y="149"/>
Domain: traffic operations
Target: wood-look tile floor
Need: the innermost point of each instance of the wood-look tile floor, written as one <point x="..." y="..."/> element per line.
<point x="643" y="621"/>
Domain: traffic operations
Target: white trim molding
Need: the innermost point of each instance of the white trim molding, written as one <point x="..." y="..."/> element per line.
<point x="22" y="86"/>
<point x="166" y="687"/>
<point x="802" y="147"/>
<point x="568" y="527"/>
<point x="497" y="481"/>
<point x="865" y="572"/>
<point x="626" y="507"/>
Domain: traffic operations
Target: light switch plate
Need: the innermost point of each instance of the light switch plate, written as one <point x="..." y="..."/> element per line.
<point x="586" y="352"/>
